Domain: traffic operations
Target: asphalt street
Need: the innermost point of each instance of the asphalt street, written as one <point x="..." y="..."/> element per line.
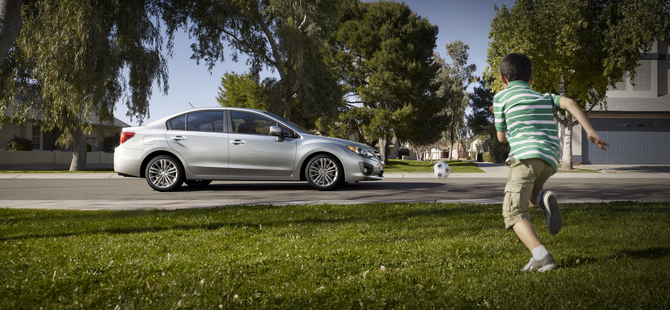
<point x="92" y="191"/>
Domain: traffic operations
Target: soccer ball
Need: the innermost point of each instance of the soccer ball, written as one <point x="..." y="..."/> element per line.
<point x="441" y="170"/>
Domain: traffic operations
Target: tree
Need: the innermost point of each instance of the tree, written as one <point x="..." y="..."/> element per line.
<point x="242" y="91"/>
<point x="578" y="48"/>
<point x="10" y="25"/>
<point x="455" y="79"/>
<point x="480" y="101"/>
<point x="69" y="60"/>
<point x="283" y="35"/>
<point x="383" y="53"/>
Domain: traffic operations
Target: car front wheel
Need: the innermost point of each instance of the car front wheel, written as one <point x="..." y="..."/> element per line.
<point x="164" y="173"/>
<point x="324" y="172"/>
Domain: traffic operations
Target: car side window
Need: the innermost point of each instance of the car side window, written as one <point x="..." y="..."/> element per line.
<point x="211" y="121"/>
<point x="251" y="123"/>
<point x="287" y="133"/>
<point x="178" y="123"/>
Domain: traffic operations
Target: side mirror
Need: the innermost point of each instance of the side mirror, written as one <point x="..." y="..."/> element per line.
<point x="277" y="132"/>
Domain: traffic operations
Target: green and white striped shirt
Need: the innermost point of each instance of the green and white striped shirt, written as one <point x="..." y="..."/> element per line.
<point x="528" y="118"/>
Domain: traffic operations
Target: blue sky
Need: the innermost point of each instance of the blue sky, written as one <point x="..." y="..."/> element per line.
<point x="468" y="21"/>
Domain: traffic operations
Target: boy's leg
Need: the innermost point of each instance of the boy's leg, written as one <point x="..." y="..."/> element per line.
<point x="519" y="188"/>
<point x="545" y="200"/>
<point x="526" y="233"/>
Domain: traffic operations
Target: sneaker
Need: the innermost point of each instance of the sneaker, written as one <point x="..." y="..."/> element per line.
<point x="549" y="205"/>
<point x="542" y="265"/>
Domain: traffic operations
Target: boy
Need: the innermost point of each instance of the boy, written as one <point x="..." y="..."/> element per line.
<point x="525" y="118"/>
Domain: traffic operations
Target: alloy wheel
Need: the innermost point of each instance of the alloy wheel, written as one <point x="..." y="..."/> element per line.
<point x="163" y="173"/>
<point x="323" y="172"/>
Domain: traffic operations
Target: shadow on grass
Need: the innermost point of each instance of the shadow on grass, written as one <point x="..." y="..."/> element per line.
<point x="110" y="222"/>
<point x="106" y="222"/>
<point x="576" y="262"/>
<point x="647" y="253"/>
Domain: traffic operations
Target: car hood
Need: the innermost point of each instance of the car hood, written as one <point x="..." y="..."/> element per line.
<point x="345" y="142"/>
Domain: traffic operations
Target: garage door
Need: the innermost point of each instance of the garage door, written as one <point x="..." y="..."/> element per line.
<point x="632" y="141"/>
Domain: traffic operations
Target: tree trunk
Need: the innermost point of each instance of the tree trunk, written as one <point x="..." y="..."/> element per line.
<point x="10" y="25"/>
<point x="566" y="159"/>
<point x="396" y="149"/>
<point x="78" y="143"/>
<point x="383" y="149"/>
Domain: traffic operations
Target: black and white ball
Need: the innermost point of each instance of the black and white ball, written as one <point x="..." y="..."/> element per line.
<point x="441" y="170"/>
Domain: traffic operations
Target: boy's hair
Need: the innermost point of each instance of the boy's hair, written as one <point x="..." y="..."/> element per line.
<point x="516" y="66"/>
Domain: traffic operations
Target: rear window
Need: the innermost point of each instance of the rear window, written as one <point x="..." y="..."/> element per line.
<point x="178" y="123"/>
<point x="205" y="121"/>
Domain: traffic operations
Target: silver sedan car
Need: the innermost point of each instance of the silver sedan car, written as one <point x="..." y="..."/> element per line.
<point x="201" y="145"/>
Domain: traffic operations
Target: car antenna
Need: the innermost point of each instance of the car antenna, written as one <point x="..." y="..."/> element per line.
<point x="191" y="105"/>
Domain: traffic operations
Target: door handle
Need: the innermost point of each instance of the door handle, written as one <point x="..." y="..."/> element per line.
<point x="178" y="138"/>
<point x="237" y="142"/>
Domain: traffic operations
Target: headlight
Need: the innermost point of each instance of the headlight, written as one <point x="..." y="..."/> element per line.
<point x="361" y="151"/>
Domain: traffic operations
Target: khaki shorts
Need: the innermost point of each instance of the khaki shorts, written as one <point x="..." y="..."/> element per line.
<point x="525" y="176"/>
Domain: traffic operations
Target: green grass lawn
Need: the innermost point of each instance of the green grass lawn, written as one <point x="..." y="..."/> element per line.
<point x="610" y="255"/>
<point x="399" y="165"/>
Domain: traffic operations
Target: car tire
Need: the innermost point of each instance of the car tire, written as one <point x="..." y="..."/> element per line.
<point x="164" y="173"/>
<point x="197" y="183"/>
<point x="324" y="172"/>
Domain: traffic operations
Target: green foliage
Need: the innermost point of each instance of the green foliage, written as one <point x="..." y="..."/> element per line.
<point x="383" y="54"/>
<point x="283" y="35"/>
<point x="480" y="101"/>
<point x="498" y="151"/>
<point x="577" y="47"/>
<point x="243" y="91"/>
<point x="330" y="256"/>
<point x="19" y="144"/>
<point x="486" y="157"/>
<point x="76" y="58"/>
<point x="455" y="79"/>
<point x="70" y="57"/>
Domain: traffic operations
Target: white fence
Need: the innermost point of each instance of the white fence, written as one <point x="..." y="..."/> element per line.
<point x="55" y="157"/>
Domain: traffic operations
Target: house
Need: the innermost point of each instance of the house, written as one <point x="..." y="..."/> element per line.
<point x="477" y="148"/>
<point x="636" y="123"/>
<point x="103" y="138"/>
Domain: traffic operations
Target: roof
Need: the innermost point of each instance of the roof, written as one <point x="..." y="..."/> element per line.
<point x="94" y="120"/>
<point x="658" y="104"/>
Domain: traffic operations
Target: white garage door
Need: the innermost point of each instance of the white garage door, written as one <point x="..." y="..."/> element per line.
<point x="632" y="141"/>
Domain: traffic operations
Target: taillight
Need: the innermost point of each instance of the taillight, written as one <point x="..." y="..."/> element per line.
<point x="125" y="136"/>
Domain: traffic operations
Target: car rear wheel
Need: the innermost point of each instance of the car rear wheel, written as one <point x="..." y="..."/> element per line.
<point x="164" y="173"/>
<point x="197" y="183"/>
<point x="324" y="172"/>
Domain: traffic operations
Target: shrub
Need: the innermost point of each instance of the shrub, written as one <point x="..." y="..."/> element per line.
<point x="19" y="144"/>
<point x="499" y="151"/>
<point x="487" y="157"/>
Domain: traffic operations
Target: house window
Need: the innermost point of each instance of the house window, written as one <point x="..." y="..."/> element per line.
<point x="643" y="76"/>
<point x="37" y="137"/>
<point x="618" y="86"/>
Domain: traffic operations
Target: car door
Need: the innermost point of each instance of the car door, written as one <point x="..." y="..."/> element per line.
<point x="200" y="139"/>
<point x="254" y="152"/>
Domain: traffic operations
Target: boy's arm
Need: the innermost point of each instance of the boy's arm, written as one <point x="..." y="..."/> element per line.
<point x="572" y="107"/>
<point x="499" y="134"/>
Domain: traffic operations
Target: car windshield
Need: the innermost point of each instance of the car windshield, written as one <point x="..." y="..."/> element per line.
<point x="291" y="124"/>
